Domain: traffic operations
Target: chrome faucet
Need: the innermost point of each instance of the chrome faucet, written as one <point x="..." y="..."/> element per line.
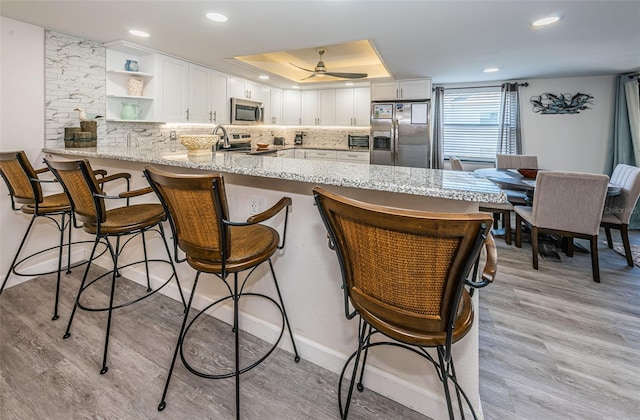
<point x="225" y="137"/>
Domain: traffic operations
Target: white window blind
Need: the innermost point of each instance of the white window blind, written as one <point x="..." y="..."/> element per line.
<point x="471" y="123"/>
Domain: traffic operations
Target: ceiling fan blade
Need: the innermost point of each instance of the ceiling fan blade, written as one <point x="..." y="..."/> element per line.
<point x="301" y="68"/>
<point x="309" y="77"/>
<point x="347" y="75"/>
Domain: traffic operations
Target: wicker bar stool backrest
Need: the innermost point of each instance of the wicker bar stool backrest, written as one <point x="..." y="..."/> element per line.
<point x="80" y="184"/>
<point x="402" y="268"/>
<point x="194" y="201"/>
<point x="16" y="170"/>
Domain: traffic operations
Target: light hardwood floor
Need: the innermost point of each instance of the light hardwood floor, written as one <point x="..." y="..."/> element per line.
<point x="553" y="345"/>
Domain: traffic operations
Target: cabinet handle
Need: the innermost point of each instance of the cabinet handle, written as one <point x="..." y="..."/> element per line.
<point x="187" y="114"/>
<point x="211" y="116"/>
<point x="354" y="121"/>
<point x="397" y="93"/>
<point x="215" y="116"/>
<point x="401" y="94"/>
<point x="299" y="121"/>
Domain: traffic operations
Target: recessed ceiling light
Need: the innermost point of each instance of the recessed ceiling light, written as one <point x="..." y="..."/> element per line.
<point x="295" y="87"/>
<point x="217" y="17"/>
<point x="349" y="83"/>
<point x="263" y="77"/>
<point x="545" y="21"/>
<point x="141" y="34"/>
<point x="491" y="70"/>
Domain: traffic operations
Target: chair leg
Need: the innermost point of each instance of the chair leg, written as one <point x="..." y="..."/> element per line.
<point x="163" y="403"/>
<point x="67" y="333"/>
<point x="506" y="220"/>
<point x="569" y="246"/>
<point x="361" y="340"/>
<point x="236" y="330"/>
<point x="173" y="267"/>
<point x="624" y="233"/>
<point x="496" y="218"/>
<point x="284" y="312"/>
<point x="11" y="267"/>
<point x="595" y="265"/>
<point x="444" y="378"/>
<point x="359" y="385"/>
<point x="607" y="232"/>
<point x="534" y="246"/>
<point x="110" y="312"/>
<point x="55" y="305"/>
<point x="518" y="231"/>
<point x="146" y="262"/>
<point x="69" y="244"/>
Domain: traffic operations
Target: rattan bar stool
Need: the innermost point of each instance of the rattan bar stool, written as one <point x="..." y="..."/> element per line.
<point x="88" y="203"/>
<point x="415" y="292"/>
<point x="199" y="213"/>
<point x="25" y="189"/>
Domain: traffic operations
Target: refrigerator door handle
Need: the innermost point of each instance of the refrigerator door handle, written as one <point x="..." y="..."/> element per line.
<point x="395" y="141"/>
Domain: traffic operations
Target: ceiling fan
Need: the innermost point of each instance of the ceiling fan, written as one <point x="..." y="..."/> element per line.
<point x="321" y="70"/>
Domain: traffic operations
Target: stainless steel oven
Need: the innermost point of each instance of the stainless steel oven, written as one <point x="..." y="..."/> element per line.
<point x="245" y="112"/>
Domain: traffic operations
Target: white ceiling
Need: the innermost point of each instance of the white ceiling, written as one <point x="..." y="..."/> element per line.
<point x="450" y="41"/>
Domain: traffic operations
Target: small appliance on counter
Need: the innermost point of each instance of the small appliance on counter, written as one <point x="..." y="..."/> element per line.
<point x="358" y="142"/>
<point x="298" y="137"/>
<point x="278" y="141"/>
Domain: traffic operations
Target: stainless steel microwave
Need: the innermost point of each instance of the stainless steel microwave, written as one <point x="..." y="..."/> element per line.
<point x="245" y="112"/>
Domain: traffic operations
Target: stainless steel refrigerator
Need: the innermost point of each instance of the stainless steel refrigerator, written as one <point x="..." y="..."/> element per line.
<point x="400" y="133"/>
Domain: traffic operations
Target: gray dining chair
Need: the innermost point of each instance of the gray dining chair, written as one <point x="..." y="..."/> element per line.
<point x="568" y="204"/>
<point x="456" y="164"/>
<point x="499" y="211"/>
<point x="516" y="162"/>
<point x="618" y="209"/>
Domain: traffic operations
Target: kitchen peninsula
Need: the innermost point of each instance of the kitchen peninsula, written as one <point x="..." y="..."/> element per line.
<point x="307" y="269"/>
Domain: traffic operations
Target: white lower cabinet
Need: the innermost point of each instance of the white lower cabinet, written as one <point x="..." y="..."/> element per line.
<point x="320" y="154"/>
<point x="352" y="157"/>
<point x="286" y="153"/>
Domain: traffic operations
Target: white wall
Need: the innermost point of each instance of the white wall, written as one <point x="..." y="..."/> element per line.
<point x="21" y="116"/>
<point x="572" y="142"/>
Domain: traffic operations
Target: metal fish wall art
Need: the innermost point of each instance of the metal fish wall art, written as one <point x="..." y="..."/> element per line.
<point x="550" y="103"/>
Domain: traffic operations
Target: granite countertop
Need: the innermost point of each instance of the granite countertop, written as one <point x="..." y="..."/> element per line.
<point x="437" y="183"/>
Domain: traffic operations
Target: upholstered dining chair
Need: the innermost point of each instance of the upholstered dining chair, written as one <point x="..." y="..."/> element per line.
<point x="25" y="191"/>
<point x="406" y="275"/>
<point x="197" y="205"/>
<point x="456" y="164"/>
<point x="500" y="211"/>
<point x="516" y="162"/>
<point x="618" y="209"/>
<point x="87" y="200"/>
<point x="568" y="204"/>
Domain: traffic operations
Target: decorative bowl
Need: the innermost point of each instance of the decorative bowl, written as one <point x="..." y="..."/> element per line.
<point x="198" y="144"/>
<point x="528" y="173"/>
<point x="262" y="145"/>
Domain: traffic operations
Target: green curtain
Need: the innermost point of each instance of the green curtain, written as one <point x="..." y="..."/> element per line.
<point x="437" y="148"/>
<point x="624" y="146"/>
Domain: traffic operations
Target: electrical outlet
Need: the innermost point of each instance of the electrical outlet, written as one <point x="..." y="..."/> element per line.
<point x="256" y="204"/>
<point x="172" y="135"/>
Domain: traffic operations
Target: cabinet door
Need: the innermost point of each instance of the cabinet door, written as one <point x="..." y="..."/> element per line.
<point x="236" y="88"/>
<point x="291" y="106"/>
<point x="174" y="89"/>
<point x="384" y="91"/>
<point x="199" y="94"/>
<point x="361" y="107"/>
<point x="276" y="107"/>
<point x="219" y="112"/>
<point x="262" y="94"/>
<point x="326" y="107"/>
<point x="309" y="107"/>
<point x="344" y="106"/>
<point x="415" y="89"/>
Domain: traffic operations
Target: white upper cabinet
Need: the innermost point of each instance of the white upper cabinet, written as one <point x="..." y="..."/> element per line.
<point x="245" y="89"/>
<point x="318" y="107"/>
<point x="276" y="107"/>
<point x="291" y="106"/>
<point x="199" y="94"/>
<point x="173" y="97"/>
<point x="352" y="106"/>
<point x="404" y="89"/>
<point x="220" y="107"/>
<point x="123" y="86"/>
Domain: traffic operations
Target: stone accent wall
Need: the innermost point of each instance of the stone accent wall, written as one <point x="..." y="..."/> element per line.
<point x="74" y="77"/>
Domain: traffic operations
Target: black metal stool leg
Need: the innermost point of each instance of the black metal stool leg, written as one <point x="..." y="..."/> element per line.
<point x="455" y="381"/>
<point x="67" y="333"/>
<point x="444" y="378"/>
<point x="55" y="305"/>
<point x="110" y="312"/>
<point x="359" y="385"/>
<point x="236" y="330"/>
<point x="163" y="403"/>
<point x="69" y="244"/>
<point x="11" y="267"/>
<point x="146" y="261"/>
<point x="173" y="267"/>
<point x="361" y="341"/>
<point x="284" y="312"/>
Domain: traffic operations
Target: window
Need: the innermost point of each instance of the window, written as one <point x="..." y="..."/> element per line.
<point x="471" y="123"/>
